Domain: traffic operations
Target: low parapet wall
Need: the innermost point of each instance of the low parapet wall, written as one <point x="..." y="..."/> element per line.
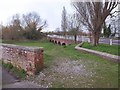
<point x="61" y="41"/>
<point x="114" y="58"/>
<point x="28" y="58"/>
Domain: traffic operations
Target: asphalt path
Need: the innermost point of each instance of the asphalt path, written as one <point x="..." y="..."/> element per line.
<point x="7" y="78"/>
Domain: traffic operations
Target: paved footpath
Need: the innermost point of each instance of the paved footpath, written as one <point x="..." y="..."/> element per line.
<point x="8" y="81"/>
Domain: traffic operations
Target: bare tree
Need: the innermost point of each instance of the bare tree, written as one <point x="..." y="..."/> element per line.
<point x="14" y="30"/>
<point x="6" y="33"/>
<point x="16" y="27"/>
<point x="33" y="25"/>
<point x="64" y="21"/>
<point x="93" y="15"/>
<point x="33" y="21"/>
<point x="115" y="24"/>
<point x="74" y="25"/>
<point x="29" y="27"/>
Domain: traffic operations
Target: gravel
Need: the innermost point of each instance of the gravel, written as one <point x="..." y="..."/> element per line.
<point x="64" y="73"/>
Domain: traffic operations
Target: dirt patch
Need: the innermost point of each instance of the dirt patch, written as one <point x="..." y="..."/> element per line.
<point x="70" y="67"/>
<point x="64" y="73"/>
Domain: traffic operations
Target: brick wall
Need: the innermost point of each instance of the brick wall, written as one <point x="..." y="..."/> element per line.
<point x="28" y="58"/>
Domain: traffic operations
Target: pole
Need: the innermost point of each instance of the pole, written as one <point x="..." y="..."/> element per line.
<point x="111" y="41"/>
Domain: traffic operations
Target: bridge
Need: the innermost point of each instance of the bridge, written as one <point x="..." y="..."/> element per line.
<point x="70" y="40"/>
<point x="60" y="41"/>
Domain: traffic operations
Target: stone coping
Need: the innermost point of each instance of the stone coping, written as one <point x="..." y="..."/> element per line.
<point x="102" y="54"/>
<point x="27" y="48"/>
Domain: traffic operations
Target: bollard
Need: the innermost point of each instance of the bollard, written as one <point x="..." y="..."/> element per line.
<point x="83" y="39"/>
<point x="110" y="41"/>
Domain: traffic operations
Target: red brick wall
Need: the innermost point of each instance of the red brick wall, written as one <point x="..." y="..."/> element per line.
<point x="28" y="58"/>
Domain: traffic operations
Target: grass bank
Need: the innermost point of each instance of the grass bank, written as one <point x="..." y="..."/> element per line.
<point x="111" y="49"/>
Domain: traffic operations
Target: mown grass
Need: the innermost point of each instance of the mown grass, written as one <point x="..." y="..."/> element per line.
<point x="106" y="71"/>
<point x="112" y="49"/>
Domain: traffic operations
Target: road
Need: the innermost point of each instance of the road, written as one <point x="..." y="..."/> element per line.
<point x="101" y="40"/>
<point x="107" y="41"/>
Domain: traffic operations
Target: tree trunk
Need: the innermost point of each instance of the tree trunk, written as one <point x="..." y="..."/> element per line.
<point x="90" y="37"/>
<point x="75" y="38"/>
<point x="95" y="39"/>
<point x="65" y="35"/>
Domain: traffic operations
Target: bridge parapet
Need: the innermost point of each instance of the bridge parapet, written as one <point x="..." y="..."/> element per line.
<point x="60" y="41"/>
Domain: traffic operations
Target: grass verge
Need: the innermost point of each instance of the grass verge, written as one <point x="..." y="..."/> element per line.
<point x="111" y="49"/>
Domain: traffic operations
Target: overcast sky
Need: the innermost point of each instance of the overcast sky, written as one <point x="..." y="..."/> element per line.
<point x="48" y="9"/>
